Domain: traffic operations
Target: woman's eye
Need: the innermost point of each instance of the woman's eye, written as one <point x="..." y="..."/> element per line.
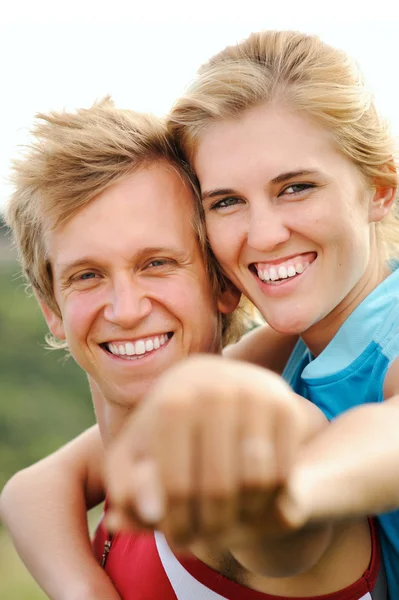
<point x="296" y="188"/>
<point x="226" y="203"/>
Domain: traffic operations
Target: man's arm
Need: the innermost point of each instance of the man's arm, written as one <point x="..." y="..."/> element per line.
<point x="44" y="508"/>
<point x="350" y="469"/>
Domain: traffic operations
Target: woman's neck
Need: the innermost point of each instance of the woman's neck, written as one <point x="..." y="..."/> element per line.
<point x="319" y="335"/>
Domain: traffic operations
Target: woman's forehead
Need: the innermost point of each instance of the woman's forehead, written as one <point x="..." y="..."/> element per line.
<point x="266" y="138"/>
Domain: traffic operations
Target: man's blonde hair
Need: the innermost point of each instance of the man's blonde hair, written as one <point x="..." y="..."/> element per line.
<point x="74" y="156"/>
<point x="301" y="72"/>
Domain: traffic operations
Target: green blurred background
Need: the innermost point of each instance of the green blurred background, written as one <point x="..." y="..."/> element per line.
<point x="44" y="401"/>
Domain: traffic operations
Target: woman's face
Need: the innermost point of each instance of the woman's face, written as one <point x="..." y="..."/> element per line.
<point x="289" y="218"/>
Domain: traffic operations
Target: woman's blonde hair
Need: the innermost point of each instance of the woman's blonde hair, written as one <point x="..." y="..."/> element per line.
<point x="74" y="156"/>
<point x="308" y="75"/>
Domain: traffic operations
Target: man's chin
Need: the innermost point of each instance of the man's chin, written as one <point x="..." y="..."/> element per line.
<point x="126" y="395"/>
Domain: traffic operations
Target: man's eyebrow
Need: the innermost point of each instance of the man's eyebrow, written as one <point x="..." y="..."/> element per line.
<point x="173" y="251"/>
<point x="88" y="261"/>
<point x="279" y="179"/>
<point x="65" y="268"/>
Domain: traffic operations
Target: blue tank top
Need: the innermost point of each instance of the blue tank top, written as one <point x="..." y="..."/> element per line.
<point x="351" y="371"/>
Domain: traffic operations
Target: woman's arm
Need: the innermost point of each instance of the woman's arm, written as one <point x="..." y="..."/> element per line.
<point x="350" y="468"/>
<point x="263" y="347"/>
<point x="44" y="508"/>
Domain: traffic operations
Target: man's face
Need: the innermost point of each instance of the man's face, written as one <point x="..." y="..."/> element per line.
<point x="131" y="285"/>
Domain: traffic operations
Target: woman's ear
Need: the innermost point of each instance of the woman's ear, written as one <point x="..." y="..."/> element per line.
<point x="228" y="299"/>
<point x="381" y="203"/>
<point x="53" y="320"/>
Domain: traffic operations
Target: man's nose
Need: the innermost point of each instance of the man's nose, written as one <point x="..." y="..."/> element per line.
<point x="128" y="304"/>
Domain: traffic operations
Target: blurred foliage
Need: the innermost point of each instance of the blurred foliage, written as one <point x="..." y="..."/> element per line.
<point x="44" y="398"/>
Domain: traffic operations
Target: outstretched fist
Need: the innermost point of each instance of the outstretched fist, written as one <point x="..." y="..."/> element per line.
<point x="205" y="454"/>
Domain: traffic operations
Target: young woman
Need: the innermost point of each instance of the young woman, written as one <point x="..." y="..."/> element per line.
<point x="298" y="180"/>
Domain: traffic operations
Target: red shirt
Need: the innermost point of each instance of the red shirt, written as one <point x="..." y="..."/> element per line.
<point x="142" y="567"/>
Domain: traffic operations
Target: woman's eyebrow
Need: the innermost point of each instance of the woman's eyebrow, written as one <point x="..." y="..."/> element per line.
<point x="291" y="174"/>
<point x="278" y="179"/>
<point x="217" y="192"/>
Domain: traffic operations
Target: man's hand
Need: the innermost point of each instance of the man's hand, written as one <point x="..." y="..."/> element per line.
<point x="202" y="458"/>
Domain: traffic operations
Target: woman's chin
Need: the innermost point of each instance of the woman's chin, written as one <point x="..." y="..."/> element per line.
<point x="288" y="325"/>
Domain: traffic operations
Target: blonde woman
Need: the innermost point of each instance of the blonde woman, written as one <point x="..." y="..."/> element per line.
<point x="298" y="180"/>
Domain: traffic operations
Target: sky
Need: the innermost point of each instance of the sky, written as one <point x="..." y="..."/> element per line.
<point x="60" y="54"/>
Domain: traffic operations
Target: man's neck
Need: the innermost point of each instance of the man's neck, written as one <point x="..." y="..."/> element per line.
<point x="110" y="416"/>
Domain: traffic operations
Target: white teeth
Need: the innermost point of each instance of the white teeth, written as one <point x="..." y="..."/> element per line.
<point x="130" y="350"/>
<point x="140" y="347"/>
<point x="273" y="274"/>
<point x="282" y="273"/>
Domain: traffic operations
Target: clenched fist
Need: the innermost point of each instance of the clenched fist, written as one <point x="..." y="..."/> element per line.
<point x="204" y="455"/>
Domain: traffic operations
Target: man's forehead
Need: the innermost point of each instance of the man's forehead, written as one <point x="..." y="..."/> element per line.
<point x="127" y="243"/>
<point x="151" y="209"/>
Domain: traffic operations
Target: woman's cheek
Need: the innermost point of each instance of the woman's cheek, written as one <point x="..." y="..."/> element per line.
<point x="225" y="246"/>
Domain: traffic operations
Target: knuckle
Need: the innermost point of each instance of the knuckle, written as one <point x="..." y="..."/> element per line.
<point x="218" y="490"/>
<point x="176" y="404"/>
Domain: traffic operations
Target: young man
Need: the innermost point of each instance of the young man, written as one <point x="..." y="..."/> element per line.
<point x="110" y="239"/>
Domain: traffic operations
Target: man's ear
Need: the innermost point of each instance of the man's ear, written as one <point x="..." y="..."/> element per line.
<point x="54" y="322"/>
<point x="381" y="203"/>
<point x="228" y="299"/>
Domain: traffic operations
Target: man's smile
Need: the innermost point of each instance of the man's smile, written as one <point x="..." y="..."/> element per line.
<point x="134" y="349"/>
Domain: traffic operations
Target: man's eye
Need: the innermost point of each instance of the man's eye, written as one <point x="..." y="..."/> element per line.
<point x="159" y="262"/>
<point x="86" y="276"/>
<point x="226" y="203"/>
